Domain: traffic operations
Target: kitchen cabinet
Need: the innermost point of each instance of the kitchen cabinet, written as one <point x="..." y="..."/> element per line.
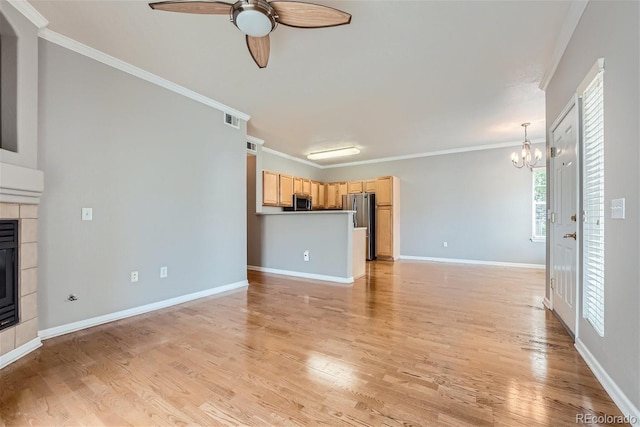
<point x="315" y="194"/>
<point x="332" y="195"/>
<point x="321" y="195"/>
<point x="388" y="217"/>
<point x="354" y="187"/>
<point x="384" y="191"/>
<point x="370" y="186"/>
<point x="270" y="188"/>
<point x="297" y="185"/>
<point x="342" y="191"/>
<point x="306" y="187"/>
<point x="384" y="232"/>
<point x="286" y="190"/>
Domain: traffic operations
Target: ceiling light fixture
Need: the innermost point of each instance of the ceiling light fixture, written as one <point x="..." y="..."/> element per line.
<point x="525" y="154"/>
<point x="255" y="18"/>
<point x="319" y="155"/>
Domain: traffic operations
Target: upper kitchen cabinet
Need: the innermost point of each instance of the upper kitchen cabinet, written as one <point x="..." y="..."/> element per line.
<point x="354" y="187"/>
<point x="306" y="187"/>
<point x="270" y="188"/>
<point x="342" y="191"/>
<point x="387" y="190"/>
<point x="317" y="195"/>
<point x="286" y="190"/>
<point x="370" y="186"/>
<point x="331" y="197"/>
<point x="297" y="185"/>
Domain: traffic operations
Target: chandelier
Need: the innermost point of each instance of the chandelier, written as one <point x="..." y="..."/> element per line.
<point x="525" y="157"/>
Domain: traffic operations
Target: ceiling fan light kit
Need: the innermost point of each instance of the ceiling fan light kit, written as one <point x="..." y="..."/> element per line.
<point x="258" y="18"/>
<point x="329" y="154"/>
<point x="254" y="18"/>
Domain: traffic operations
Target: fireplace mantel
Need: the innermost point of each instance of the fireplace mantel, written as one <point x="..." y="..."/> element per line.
<point x="19" y="184"/>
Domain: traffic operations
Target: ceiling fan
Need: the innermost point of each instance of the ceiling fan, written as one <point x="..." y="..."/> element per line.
<point x="257" y="18"/>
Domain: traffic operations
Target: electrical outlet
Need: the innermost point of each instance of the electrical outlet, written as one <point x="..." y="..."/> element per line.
<point x="306" y="255"/>
<point x="163" y="272"/>
<point x="134" y="276"/>
<point x="87" y="214"/>
<point x="445" y="244"/>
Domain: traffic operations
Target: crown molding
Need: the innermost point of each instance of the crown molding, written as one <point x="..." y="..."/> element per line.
<point x="405" y="157"/>
<point x="295" y="159"/>
<point x="29" y="12"/>
<point x="569" y="26"/>
<point x="118" y="64"/>
<point x="435" y="153"/>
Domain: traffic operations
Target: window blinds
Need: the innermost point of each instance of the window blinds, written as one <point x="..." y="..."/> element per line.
<point x="593" y="203"/>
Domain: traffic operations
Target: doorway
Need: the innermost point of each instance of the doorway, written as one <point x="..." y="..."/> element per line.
<point x="564" y="256"/>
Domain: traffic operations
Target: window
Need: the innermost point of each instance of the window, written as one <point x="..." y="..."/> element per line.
<point x="593" y="202"/>
<point x="539" y="229"/>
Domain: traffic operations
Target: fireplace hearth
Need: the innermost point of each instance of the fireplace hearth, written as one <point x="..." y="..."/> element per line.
<point x="8" y="274"/>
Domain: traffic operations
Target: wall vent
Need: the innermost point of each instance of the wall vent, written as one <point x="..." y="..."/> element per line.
<point x="252" y="148"/>
<point x="232" y="121"/>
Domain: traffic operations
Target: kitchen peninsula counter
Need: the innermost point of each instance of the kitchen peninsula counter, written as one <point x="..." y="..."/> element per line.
<point x="328" y="236"/>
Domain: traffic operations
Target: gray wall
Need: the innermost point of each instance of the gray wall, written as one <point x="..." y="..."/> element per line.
<point x="475" y="201"/>
<point x="164" y="176"/>
<point x="611" y="30"/>
<point x="327" y="236"/>
<point x="281" y="164"/>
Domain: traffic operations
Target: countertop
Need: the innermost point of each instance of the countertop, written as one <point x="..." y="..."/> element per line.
<point x="327" y="212"/>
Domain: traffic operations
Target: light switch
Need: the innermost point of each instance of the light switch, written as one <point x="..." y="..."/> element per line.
<point x="87" y="214"/>
<point x="617" y="208"/>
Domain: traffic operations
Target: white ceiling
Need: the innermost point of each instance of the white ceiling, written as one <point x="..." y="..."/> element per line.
<point x="404" y="77"/>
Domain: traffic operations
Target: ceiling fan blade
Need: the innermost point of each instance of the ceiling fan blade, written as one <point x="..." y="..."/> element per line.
<point x="201" y="7"/>
<point x="259" y="49"/>
<point x="309" y="15"/>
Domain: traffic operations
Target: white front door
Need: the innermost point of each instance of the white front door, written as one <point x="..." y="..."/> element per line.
<point x="564" y="226"/>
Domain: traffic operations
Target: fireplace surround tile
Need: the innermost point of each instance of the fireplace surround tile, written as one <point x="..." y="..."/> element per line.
<point x="9" y="211"/>
<point x="28" y="281"/>
<point x="7" y="340"/>
<point x="26" y="331"/>
<point x="28" y="230"/>
<point x="29" y="211"/>
<point x="28" y="255"/>
<point x="29" y="307"/>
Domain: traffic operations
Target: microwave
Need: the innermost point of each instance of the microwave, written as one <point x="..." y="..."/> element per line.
<point x="301" y="202"/>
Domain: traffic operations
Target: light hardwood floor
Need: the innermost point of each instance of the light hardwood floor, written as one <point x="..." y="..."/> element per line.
<point x="409" y="344"/>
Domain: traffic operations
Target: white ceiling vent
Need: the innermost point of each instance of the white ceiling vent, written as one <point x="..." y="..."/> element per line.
<point x="232" y="120"/>
<point x="252" y="148"/>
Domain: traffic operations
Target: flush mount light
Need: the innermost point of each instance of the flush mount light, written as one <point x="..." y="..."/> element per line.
<point x="319" y="155"/>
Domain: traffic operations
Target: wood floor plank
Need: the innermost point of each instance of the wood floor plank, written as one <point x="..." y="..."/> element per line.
<point x="410" y="343"/>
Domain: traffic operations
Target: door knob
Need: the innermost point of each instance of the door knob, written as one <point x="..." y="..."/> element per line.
<point x="566" y="236"/>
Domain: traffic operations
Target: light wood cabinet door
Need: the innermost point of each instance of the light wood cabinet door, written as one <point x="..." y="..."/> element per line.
<point x="286" y="190"/>
<point x="270" y="190"/>
<point x="384" y="191"/>
<point x="321" y="195"/>
<point x="306" y="187"/>
<point x="370" y="186"/>
<point x="297" y="185"/>
<point x="342" y="191"/>
<point x="331" y="196"/>
<point x="384" y="232"/>
<point x="354" y="187"/>
<point x="315" y="194"/>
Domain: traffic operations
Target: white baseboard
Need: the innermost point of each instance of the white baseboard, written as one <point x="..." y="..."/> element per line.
<point x="95" y="321"/>
<point x="475" y="262"/>
<point x="23" y="350"/>
<point x="325" y="278"/>
<point x="619" y="398"/>
<point x="547" y="303"/>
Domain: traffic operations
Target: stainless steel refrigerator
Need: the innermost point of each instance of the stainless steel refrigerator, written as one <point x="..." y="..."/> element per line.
<point x="365" y="216"/>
